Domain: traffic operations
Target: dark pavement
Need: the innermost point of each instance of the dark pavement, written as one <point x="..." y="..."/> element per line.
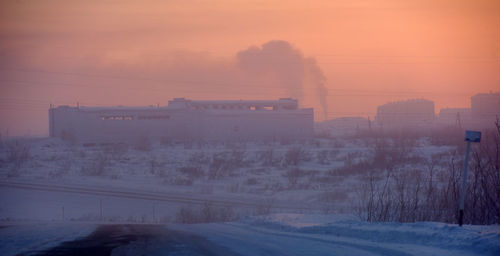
<point x="134" y="239"/>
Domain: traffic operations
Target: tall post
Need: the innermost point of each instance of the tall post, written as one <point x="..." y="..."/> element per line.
<point x="464" y="185"/>
<point x="154" y="213"/>
<point x="470" y="136"/>
<point x="100" y="209"/>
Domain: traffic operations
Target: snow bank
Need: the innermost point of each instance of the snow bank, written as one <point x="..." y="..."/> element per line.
<point x="482" y="240"/>
<point x="28" y="239"/>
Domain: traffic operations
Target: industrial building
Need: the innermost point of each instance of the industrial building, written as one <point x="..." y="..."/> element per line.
<point x="183" y="120"/>
<point x="409" y="113"/>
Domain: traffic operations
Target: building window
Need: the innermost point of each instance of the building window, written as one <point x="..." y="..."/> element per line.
<point x="117" y="118"/>
<point x="163" y="117"/>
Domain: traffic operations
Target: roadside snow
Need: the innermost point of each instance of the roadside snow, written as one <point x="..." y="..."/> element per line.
<point x="298" y="234"/>
<point x="29" y="238"/>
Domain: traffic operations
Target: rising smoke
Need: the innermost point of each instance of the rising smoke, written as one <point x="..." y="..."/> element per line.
<point x="273" y="69"/>
<point x="288" y="66"/>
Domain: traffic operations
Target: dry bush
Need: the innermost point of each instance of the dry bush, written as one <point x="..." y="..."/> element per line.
<point x="62" y="169"/>
<point x="268" y="157"/>
<point x="432" y="193"/>
<point x="295" y="155"/>
<point x="322" y="156"/>
<point x="116" y="150"/>
<point x="143" y="144"/>
<point x="17" y="154"/>
<point x="293" y="176"/>
<point x="179" y="181"/>
<point x="264" y="207"/>
<point x="334" y="196"/>
<point x="331" y="199"/>
<point x="224" y="164"/>
<point x="97" y="166"/>
<point x="192" y="172"/>
<point x="252" y="181"/>
<point x="200" y="158"/>
<point x="205" y="214"/>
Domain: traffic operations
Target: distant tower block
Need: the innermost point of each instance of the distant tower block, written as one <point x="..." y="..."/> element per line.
<point x="485" y="106"/>
<point x="409" y="113"/>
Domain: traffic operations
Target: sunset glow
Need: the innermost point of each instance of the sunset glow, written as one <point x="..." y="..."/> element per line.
<point x="356" y="54"/>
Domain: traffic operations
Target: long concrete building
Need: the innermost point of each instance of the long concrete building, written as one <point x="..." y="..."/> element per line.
<point x="184" y="119"/>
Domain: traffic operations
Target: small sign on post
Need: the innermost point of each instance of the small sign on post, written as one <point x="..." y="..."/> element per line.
<point x="470" y="136"/>
<point x="473" y="136"/>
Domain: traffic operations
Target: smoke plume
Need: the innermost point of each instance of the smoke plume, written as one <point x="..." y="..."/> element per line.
<point x="288" y="66"/>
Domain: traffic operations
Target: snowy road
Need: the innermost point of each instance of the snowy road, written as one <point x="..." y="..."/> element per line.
<point x="275" y="234"/>
<point x="251" y="237"/>
<point x="136" y="239"/>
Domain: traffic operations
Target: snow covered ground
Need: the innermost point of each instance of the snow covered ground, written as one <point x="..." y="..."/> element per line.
<point x="311" y="176"/>
<point x="249" y="198"/>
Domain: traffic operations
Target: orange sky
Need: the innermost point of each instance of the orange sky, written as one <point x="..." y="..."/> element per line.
<point x="147" y="52"/>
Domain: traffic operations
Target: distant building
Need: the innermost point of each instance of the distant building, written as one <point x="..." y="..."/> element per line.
<point x="485" y="106"/>
<point x="454" y="116"/>
<point x="349" y="125"/>
<point x="184" y="119"/>
<point x="409" y="113"/>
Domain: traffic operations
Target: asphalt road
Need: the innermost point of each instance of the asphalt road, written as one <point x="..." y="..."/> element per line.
<point x="133" y="239"/>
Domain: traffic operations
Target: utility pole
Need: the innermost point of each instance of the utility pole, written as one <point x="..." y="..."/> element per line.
<point x="470" y="136"/>
<point x="100" y="209"/>
<point x="154" y="213"/>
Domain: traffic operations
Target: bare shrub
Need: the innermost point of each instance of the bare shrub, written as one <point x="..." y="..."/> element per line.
<point x="61" y="170"/>
<point x="333" y="153"/>
<point x="483" y="192"/>
<point x="205" y="214"/>
<point x="224" y="164"/>
<point x="295" y="155"/>
<point x="192" y="172"/>
<point x="18" y="153"/>
<point x="187" y="215"/>
<point x="264" y="207"/>
<point x="268" y="157"/>
<point x="252" y="181"/>
<point x="199" y="158"/>
<point x="338" y="143"/>
<point x="432" y="193"/>
<point x="449" y="136"/>
<point x="331" y="199"/>
<point x="323" y="157"/>
<point x="97" y="166"/>
<point x="116" y="150"/>
<point x="179" y="181"/>
<point x="143" y="144"/>
<point x="293" y="175"/>
<point x="157" y="167"/>
<point x="334" y="196"/>
<point x="234" y="188"/>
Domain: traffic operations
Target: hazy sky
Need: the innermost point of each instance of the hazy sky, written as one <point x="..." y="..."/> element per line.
<point x="356" y="53"/>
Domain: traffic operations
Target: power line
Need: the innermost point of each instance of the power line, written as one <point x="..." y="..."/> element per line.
<point x="221" y="85"/>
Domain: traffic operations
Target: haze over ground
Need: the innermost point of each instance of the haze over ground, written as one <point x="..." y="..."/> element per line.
<point x="349" y="56"/>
